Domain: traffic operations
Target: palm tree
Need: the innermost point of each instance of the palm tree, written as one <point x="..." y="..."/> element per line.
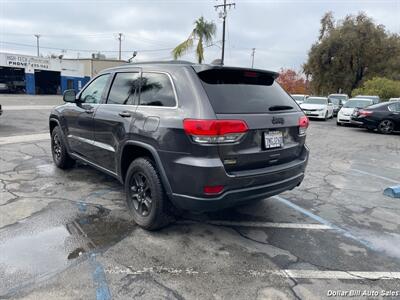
<point x="203" y="32"/>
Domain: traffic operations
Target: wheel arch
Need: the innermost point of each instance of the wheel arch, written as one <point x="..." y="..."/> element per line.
<point x="134" y="149"/>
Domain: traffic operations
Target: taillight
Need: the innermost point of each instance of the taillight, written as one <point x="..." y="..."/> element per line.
<point x="365" y="113"/>
<point x="215" y="131"/>
<point x="303" y="125"/>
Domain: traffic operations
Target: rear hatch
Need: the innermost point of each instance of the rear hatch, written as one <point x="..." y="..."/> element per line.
<point x="271" y="115"/>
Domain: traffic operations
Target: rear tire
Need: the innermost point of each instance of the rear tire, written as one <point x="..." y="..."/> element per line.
<point x="386" y="127"/>
<point x="145" y="196"/>
<point x="59" y="152"/>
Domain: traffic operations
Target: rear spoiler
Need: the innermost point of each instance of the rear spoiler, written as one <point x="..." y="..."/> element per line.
<point x="201" y="68"/>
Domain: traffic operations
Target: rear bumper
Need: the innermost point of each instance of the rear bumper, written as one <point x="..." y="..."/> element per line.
<point x="189" y="178"/>
<point x="236" y="197"/>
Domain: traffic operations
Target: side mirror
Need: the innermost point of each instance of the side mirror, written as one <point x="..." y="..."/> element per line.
<point x="69" y="96"/>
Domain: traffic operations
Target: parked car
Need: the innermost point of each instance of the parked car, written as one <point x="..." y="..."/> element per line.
<point x="342" y="97"/>
<point x="318" y="107"/>
<point x="176" y="134"/>
<point x="299" y="98"/>
<point x="394" y="99"/>
<point x="347" y="110"/>
<point x="338" y="100"/>
<point x="385" y="117"/>
<point x="375" y="99"/>
<point x="3" y="87"/>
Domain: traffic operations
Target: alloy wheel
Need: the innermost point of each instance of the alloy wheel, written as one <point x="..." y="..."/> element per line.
<point x="57" y="146"/>
<point x="386" y="126"/>
<point x="140" y="194"/>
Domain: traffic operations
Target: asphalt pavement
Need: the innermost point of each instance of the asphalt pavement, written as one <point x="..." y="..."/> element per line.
<point x="67" y="234"/>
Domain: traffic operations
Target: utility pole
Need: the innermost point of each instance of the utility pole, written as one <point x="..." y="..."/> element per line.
<point x="37" y="43"/>
<point x="223" y="15"/>
<point x="253" y="52"/>
<point x="119" y="49"/>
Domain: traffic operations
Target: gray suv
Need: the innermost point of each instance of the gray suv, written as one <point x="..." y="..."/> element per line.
<point x="182" y="135"/>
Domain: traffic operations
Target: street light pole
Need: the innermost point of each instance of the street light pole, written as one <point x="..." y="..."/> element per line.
<point x="223" y="14"/>
<point x="37" y="43"/>
<point x="253" y="52"/>
<point x="119" y="49"/>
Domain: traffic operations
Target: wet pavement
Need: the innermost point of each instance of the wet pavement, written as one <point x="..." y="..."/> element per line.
<point x="67" y="234"/>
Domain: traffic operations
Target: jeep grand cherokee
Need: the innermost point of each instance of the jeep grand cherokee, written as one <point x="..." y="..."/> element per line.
<point x="177" y="134"/>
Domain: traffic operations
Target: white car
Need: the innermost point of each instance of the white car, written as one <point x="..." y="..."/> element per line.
<point x="348" y="108"/>
<point x="394" y="99"/>
<point x="318" y="107"/>
<point x="299" y="98"/>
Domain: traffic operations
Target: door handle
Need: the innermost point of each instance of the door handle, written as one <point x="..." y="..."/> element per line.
<point x="125" y="114"/>
<point x="89" y="111"/>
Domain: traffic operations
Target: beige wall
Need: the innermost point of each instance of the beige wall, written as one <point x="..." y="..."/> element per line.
<point x="92" y="67"/>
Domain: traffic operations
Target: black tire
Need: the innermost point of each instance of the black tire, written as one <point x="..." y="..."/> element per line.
<point x="326" y="116"/>
<point x="145" y="196"/>
<point x="338" y="124"/>
<point x="386" y="126"/>
<point x="59" y="152"/>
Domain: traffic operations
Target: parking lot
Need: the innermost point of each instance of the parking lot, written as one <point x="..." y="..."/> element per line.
<point x="67" y="234"/>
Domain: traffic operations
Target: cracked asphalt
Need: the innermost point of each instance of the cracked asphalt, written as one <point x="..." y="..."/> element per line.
<point x="67" y="234"/>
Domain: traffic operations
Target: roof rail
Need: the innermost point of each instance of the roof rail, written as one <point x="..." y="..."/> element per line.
<point x="164" y="62"/>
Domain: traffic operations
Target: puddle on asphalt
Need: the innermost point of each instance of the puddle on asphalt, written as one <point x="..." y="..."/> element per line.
<point x="44" y="244"/>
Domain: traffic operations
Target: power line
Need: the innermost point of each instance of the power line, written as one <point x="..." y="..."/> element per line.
<point x="86" y="50"/>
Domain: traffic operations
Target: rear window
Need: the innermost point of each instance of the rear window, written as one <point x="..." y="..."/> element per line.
<point x="241" y="91"/>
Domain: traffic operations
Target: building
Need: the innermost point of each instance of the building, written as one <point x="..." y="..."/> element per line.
<point x="40" y="75"/>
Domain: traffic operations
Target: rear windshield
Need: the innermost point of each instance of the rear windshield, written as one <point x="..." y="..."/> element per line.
<point x="357" y="103"/>
<point x="241" y="91"/>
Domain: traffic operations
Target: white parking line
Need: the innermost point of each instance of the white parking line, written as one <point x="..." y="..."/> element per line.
<point x="261" y="224"/>
<point x="375" y="175"/>
<point x="27" y="107"/>
<point x="316" y="274"/>
<point x="287" y="273"/>
<point x="24" y="138"/>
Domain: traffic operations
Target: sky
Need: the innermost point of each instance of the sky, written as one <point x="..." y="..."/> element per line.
<point x="281" y="31"/>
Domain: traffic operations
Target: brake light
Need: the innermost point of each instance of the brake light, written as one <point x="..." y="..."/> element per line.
<point x="213" y="190"/>
<point x="303" y="125"/>
<point x="365" y="113"/>
<point x="215" y="131"/>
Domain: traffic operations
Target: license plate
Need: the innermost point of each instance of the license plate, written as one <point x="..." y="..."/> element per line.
<point x="273" y="139"/>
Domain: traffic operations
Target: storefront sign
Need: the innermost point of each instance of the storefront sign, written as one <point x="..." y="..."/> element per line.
<point x="25" y="61"/>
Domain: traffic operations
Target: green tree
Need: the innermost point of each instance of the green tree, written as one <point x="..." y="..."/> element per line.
<point x="203" y="32"/>
<point x="349" y="52"/>
<point x="383" y="87"/>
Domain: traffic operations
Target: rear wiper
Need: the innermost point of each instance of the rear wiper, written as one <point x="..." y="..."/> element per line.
<point x="280" y="107"/>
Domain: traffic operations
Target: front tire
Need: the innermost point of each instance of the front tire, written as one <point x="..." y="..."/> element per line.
<point x="386" y="126"/>
<point x="338" y="124"/>
<point x="59" y="152"/>
<point x="145" y="196"/>
<point x="326" y="116"/>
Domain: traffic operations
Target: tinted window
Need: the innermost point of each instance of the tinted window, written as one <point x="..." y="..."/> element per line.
<point x="124" y="88"/>
<point x="93" y="92"/>
<point x="238" y="91"/>
<point x="156" y="90"/>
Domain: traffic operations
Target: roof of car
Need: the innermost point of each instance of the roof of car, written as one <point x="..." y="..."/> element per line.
<point x="183" y="63"/>
<point x="317" y="97"/>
